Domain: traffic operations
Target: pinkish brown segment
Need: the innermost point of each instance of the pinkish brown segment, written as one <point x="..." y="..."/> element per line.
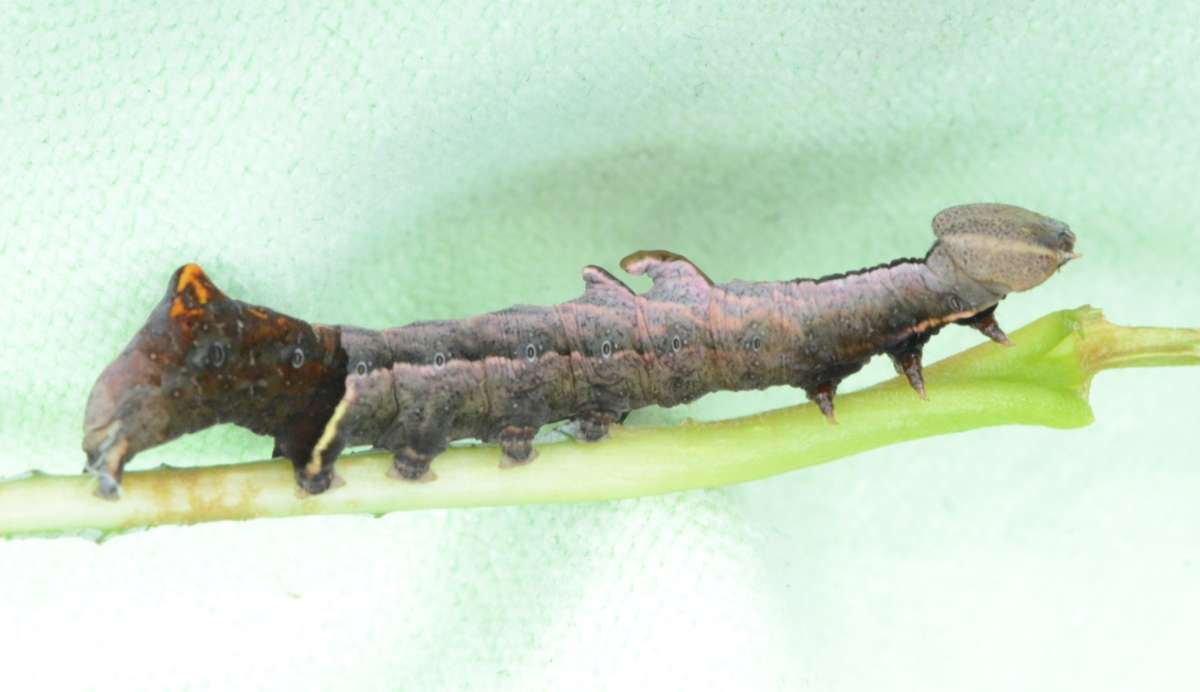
<point x="497" y="377"/>
<point x="500" y="376"/>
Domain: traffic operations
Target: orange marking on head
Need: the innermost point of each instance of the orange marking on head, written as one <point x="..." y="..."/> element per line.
<point x="193" y="277"/>
<point x="180" y="309"/>
<point x="260" y="314"/>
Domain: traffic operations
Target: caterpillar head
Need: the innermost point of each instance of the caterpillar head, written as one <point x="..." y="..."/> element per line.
<point x="200" y="358"/>
<point x="1002" y="247"/>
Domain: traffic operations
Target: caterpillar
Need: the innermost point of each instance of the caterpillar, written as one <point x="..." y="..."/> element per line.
<point x="203" y="358"/>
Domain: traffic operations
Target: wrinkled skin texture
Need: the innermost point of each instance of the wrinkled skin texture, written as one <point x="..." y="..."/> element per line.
<point x="500" y="376"/>
<point x="203" y="358"/>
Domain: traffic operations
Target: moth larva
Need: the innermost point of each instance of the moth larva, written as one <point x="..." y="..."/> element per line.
<point x="203" y="358"/>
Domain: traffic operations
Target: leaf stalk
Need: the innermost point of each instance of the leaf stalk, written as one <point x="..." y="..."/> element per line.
<point x="1043" y="380"/>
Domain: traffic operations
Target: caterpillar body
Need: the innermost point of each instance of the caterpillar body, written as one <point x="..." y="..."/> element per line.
<point x="203" y="358"/>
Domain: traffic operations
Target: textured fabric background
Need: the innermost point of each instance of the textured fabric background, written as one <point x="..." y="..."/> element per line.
<point x="377" y="164"/>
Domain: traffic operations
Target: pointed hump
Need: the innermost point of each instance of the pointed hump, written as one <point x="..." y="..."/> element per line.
<point x="190" y="278"/>
<point x="597" y="279"/>
<point x="190" y="292"/>
<point x="663" y="266"/>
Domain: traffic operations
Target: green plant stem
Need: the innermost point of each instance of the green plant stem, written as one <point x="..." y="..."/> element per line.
<point x="1042" y="380"/>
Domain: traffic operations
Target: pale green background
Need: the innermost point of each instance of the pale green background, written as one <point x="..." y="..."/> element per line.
<point x="376" y="165"/>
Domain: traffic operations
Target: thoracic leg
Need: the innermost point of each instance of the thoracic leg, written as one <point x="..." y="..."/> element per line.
<point x="906" y="356"/>
<point x="909" y="365"/>
<point x="822" y="396"/>
<point x="516" y="442"/>
<point x="985" y="322"/>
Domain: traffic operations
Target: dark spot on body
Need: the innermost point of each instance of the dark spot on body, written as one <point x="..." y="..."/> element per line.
<point x="216" y="354"/>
